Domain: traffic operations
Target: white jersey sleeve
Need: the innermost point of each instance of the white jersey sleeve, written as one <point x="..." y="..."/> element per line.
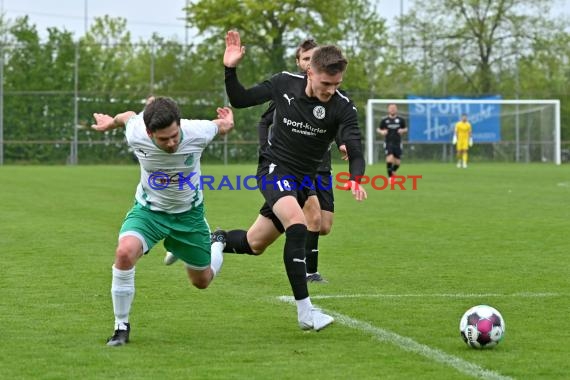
<point x="134" y="128"/>
<point x="202" y="132"/>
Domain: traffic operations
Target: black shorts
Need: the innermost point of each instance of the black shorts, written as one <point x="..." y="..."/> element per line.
<point x="393" y="149"/>
<point x="324" y="191"/>
<point x="274" y="185"/>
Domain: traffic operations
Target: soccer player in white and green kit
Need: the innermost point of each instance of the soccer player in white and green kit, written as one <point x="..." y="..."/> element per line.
<point x="168" y="199"/>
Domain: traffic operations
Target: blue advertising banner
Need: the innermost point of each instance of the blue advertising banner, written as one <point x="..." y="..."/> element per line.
<point x="436" y="122"/>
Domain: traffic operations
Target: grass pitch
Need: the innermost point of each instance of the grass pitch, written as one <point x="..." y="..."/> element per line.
<point x="402" y="267"/>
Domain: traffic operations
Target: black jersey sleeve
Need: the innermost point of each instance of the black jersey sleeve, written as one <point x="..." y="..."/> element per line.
<point x="239" y="96"/>
<point x="350" y="135"/>
<point x="338" y="138"/>
<point x="356" y="163"/>
<point x="348" y="132"/>
<point x="264" y="123"/>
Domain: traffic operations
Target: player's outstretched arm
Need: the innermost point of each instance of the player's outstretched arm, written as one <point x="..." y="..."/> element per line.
<point x="356" y="166"/>
<point x="225" y="120"/>
<point x="238" y="95"/>
<point x="343" y="152"/>
<point x="104" y="122"/>
<point x="358" y="191"/>
<point x="381" y="131"/>
<point x="234" y="51"/>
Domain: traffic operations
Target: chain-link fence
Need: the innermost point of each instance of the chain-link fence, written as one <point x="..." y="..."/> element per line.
<point x="49" y="92"/>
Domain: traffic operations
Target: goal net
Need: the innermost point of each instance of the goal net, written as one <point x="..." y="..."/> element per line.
<point x="503" y="130"/>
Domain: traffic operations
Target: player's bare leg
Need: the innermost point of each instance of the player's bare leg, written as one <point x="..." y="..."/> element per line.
<point x="327" y="218"/>
<point x="202" y="277"/>
<point x="254" y="241"/>
<point x="262" y="234"/>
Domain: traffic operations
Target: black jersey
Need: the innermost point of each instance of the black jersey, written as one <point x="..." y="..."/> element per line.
<point x="393" y="125"/>
<point x="304" y="127"/>
<point x="264" y="124"/>
<point x="326" y="165"/>
<point x="264" y="132"/>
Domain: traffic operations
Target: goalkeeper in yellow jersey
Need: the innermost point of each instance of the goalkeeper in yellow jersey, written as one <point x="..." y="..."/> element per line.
<point x="463" y="140"/>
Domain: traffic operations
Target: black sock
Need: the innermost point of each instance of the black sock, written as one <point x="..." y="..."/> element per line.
<point x="294" y="259"/>
<point x="312" y="251"/>
<point x="394" y="168"/>
<point x="389" y="169"/>
<point x="236" y="242"/>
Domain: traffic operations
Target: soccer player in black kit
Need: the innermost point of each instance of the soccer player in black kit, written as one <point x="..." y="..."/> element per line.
<point x="319" y="207"/>
<point x="309" y="112"/>
<point x="392" y="127"/>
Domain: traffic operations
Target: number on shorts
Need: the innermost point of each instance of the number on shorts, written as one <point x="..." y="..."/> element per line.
<point x="283" y="185"/>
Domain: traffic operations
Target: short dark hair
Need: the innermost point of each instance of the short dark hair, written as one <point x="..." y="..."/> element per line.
<point x="308" y="44"/>
<point x="329" y="58"/>
<point x="161" y="113"/>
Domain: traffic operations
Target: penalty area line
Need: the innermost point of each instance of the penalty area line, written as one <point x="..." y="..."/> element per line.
<point x="410" y="345"/>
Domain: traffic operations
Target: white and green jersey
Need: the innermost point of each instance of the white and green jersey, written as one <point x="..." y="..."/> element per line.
<point x="170" y="182"/>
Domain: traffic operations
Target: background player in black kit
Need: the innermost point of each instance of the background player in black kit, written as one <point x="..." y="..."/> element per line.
<point x="308" y="114"/>
<point x="319" y="207"/>
<point x="392" y="127"/>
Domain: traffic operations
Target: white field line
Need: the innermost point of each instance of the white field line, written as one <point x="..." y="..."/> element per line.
<point x="410" y="345"/>
<point x="439" y="295"/>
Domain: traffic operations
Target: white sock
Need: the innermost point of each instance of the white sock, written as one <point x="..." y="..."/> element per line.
<point x="304" y="308"/>
<point x="217" y="257"/>
<point x="122" y="293"/>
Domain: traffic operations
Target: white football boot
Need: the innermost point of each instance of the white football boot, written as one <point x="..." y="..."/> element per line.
<point x="315" y="320"/>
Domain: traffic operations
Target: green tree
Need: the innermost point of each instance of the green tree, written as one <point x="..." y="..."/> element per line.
<point x="269" y="29"/>
<point x="376" y="66"/>
<point x="474" y="37"/>
<point x="38" y="81"/>
<point x="105" y="59"/>
<point x="272" y="31"/>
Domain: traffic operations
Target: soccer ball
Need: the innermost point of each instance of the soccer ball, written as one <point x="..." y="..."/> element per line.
<point x="482" y="327"/>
